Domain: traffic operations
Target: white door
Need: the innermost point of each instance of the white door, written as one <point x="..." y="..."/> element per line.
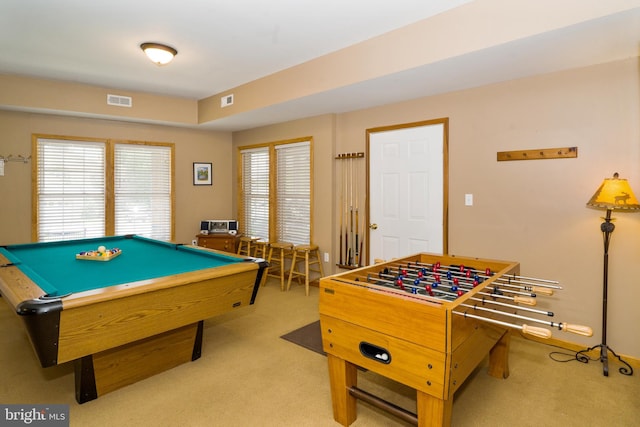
<point x="406" y="191"/>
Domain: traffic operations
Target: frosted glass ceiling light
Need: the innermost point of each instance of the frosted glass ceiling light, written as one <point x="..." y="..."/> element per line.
<point x="159" y="54"/>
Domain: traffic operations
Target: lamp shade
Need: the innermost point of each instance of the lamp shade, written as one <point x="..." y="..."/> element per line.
<point x="614" y="194"/>
<point x="159" y="54"/>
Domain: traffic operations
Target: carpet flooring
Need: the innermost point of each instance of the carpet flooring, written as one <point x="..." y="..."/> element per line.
<point x="249" y="376"/>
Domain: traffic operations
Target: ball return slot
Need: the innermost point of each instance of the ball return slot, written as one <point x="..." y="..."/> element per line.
<point x="374" y="352"/>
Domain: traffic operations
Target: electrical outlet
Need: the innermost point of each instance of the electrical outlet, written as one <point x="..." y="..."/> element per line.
<point x="468" y="199"/>
<point x="326" y="257"/>
<point x="194" y="242"/>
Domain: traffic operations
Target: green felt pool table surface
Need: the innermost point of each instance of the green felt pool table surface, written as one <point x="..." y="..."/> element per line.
<point x="54" y="267"/>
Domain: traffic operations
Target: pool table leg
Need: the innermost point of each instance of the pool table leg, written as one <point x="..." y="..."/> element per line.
<point x="109" y="370"/>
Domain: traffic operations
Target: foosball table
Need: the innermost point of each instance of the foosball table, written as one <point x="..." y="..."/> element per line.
<point x="426" y="321"/>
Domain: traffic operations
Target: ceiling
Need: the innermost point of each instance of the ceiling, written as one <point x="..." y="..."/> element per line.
<point x="223" y="44"/>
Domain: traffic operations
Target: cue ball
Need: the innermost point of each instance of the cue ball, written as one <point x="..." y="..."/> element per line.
<point x="101" y="249"/>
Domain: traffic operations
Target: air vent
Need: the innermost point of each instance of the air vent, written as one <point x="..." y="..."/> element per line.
<point x="119" y="100"/>
<point x="227" y="100"/>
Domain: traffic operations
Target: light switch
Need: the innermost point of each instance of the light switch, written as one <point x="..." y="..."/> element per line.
<point x="468" y="199"/>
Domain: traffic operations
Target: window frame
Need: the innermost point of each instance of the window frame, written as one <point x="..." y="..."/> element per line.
<point x="273" y="197"/>
<point x="109" y="145"/>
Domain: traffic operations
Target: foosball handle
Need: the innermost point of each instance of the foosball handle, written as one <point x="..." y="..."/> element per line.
<point x="536" y="332"/>
<point x="525" y="300"/>
<point x="542" y="291"/>
<point x="577" y="329"/>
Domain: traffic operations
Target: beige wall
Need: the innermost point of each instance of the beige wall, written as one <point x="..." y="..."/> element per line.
<point x="533" y="212"/>
<point x="193" y="203"/>
<point x="530" y="211"/>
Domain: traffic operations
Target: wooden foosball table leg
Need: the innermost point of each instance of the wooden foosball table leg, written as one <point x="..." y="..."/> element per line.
<point x="432" y="411"/>
<point x="342" y="376"/>
<point x="499" y="357"/>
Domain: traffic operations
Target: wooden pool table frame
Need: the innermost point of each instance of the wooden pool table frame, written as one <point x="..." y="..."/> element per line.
<point x="122" y="334"/>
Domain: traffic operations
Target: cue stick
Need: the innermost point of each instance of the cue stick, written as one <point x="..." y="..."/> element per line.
<point x="576" y="329"/>
<point x="530" y="330"/>
<point x="345" y="211"/>
<point x="357" y="260"/>
<point x="350" y="252"/>
<point x="363" y="231"/>
<point x="341" y="205"/>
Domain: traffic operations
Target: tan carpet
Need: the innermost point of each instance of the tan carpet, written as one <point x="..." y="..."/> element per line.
<point x="249" y="376"/>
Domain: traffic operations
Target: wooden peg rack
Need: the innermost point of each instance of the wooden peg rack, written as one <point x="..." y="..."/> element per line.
<point x="349" y="156"/>
<point x="543" y="153"/>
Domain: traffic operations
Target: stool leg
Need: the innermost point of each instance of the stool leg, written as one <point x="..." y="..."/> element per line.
<point x="282" y="269"/>
<point x="320" y="263"/>
<point x="293" y="267"/>
<point x="306" y="273"/>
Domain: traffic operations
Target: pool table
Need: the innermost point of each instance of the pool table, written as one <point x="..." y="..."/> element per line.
<point x="126" y="318"/>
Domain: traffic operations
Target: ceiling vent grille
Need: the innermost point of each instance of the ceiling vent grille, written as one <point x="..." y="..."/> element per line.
<point x="119" y="100"/>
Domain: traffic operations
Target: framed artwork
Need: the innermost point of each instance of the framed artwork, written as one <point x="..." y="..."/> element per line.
<point x="202" y="174"/>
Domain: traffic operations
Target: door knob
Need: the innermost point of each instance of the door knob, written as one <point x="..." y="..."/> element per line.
<point x="373" y="226"/>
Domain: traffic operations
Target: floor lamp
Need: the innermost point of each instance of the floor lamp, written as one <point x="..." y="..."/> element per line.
<point x="614" y="194"/>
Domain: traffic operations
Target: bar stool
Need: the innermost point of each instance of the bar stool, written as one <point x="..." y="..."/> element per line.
<point x="278" y="254"/>
<point x="310" y="255"/>
<point x="260" y="249"/>
<point x="244" y="245"/>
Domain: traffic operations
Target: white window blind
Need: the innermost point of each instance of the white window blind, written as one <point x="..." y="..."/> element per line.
<point x="142" y="186"/>
<point x="71" y="189"/>
<point x="255" y="188"/>
<point x="294" y="193"/>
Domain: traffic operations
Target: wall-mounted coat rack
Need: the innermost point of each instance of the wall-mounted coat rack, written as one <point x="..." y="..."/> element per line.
<point x="11" y="158"/>
<point x="543" y="153"/>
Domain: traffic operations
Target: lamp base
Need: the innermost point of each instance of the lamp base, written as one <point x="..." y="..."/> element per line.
<point x="581" y="356"/>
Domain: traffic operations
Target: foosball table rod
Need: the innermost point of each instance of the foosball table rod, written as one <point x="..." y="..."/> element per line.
<point x="526" y="329"/>
<point x="567" y="327"/>
<point x="541" y="286"/>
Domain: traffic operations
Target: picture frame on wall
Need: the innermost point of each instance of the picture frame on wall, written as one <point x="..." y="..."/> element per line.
<point x="202" y="174"/>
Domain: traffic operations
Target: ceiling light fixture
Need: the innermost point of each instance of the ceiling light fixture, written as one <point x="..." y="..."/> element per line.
<point x="159" y="54"/>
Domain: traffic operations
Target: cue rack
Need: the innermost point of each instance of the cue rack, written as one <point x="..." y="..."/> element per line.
<point x="351" y="210"/>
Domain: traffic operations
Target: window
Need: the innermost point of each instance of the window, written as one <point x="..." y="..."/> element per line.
<point x="255" y="187"/>
<point x="142" y="189"/>
<point x="275" y="191"/>
<point x="71" y="189"/>
<point x="293" y="193"/>
<point x="92" y="188"/>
